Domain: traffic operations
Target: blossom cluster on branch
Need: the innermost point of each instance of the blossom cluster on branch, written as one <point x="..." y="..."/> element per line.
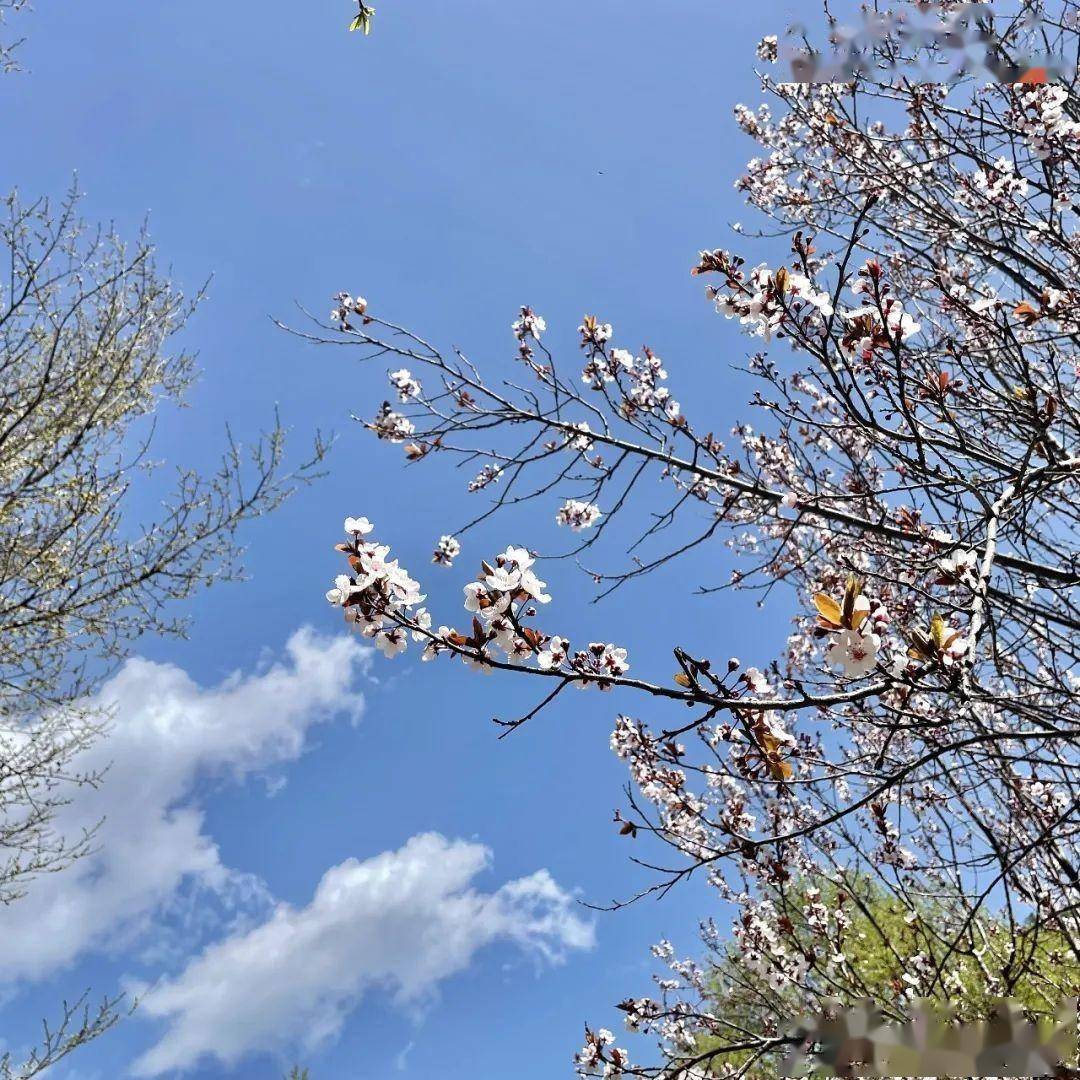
<point x="383" y="602"/>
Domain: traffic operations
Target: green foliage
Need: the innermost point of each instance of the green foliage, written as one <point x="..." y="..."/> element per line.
<point x="893" y="951"/>
<point x="296" y="1073"/>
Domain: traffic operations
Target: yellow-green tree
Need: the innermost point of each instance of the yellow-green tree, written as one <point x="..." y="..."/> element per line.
<point x="861" y="942"/>
<point x="87" y="358"/>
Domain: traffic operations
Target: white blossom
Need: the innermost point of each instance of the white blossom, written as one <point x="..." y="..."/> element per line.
<point x="391" y="426"/>
<point x="406" y="386"/>
<point x="960" y="566"/>
<point x="446" y="551"/>
<point x="529" y="325"/>
<point x="854" y="652"/>
<point x="578" y="515"/>
<point x="358" y="526"/>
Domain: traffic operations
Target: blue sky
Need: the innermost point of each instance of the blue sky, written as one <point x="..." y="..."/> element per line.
<point x="464" y="160"/>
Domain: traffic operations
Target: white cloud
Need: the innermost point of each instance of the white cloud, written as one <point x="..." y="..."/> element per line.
<point x="401" y="922"/>
<point x="167" y="733"/>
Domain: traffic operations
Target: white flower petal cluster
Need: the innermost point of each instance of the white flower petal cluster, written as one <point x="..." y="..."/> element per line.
<point x="662" y="784"/>
<point x="529" y="325"/>
<point x="501" y="599"/>
<point x="601" y="661"/>
<point x="446" y="551"/>
<point x="511" y="579"/>
<point x="489" y="474"/>
<point x="600" y="1057"/>
<point x="762" y="300"/>
<point x="553" y="655"/>
<point x="581" y="441"/>
<point x="578" y="515"/>
<point x="1041" y="114"/>
<point x="764" y="951"/>
<point x="1000" y="182"/>
<point x="961" y="566"/>
<point x="390" y="425"/>
<point x="407" y="387"/>
<point x="900" y="323"/>
<point x="347" y="305"/>
<point x="756" y="682"/>
<point x="854" y="652"/>
<point x="594" y="334"/>
<point x="639" y="377"/>
<point x="378" y="594"/>
<point x="880" y="323"/>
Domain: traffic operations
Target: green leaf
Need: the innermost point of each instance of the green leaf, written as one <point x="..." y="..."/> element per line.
<point x="362" y="21"/>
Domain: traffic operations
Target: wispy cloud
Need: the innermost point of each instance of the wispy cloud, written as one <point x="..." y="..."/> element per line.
<point x="401" y="1062"/>
<point x="167" y="733"/>
<point x="402" y="921"/>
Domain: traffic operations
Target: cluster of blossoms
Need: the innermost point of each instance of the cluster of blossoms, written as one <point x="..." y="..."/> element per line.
<point x="856" y="624"/>
<point x="646" y="372"/>
<point x="1059" y="305"/>
<point x="1042" y="115"/>
<point x="766" y="751"/>
<point x="762" y="300"/>
<point x="604" y="367"/>
<point x="377" y="595"/>
<point x="959" y="568"/>
<point x="347" y="305"/>
<point x="640" y="1013"/>
<point x="639" y="378"/>
<point x="763" y="951"/>
<point x="879" y="325"/>
<point x="512" y="579"/>
<point x="675" y="1021"/>
<point x="582" y="437"/>
<point x="921" y="973"/>
<point x="599" y="662"/>
<point x="502" y="597"/>
<point x="382" y="601"/>
<point x="489" y="474"/>
<point x="407" y="387"/>
<point x="1047" y="800"/>
<point x="753" y="122"/>
<point x="578" y="515"/>
<point x="768" y="180"/>
<point x="768" y="49"/>
<point x="528" y="327"/>
<point x="529" y="324"/>
<point x="662" y="783"/>
<point x="391" y="425"/>
<point x="1001" y="182"/>
<point x="594" y="334"/>
<point x="446" y="551"/>
<point x="600" y="1057"/>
